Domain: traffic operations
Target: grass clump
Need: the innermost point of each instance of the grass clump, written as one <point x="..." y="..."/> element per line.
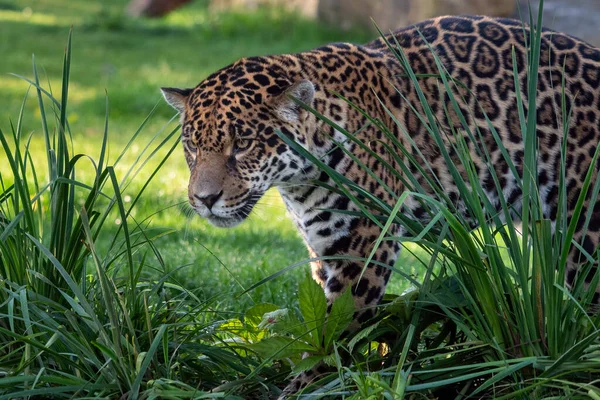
<point x="79" y="319"/>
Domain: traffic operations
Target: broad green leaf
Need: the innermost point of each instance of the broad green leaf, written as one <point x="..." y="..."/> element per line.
<point x="254" y="315"/>
<point x="332" y="360"/>
<point x="313" y="306"/>
<point x="235" y="327"/>
<point x="283" y="321"/>
<point x="403" y="306"/>
<point x="307" y="363"/>
<point x="362" y="334"/>
<point x="340" y="317"/>
<point x="279" y="347"/>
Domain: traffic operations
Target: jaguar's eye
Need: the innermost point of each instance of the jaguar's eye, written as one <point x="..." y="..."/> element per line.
<point x="190" y="147"/>
<point x="190" y="152"/>
<point x="240" y="145"/>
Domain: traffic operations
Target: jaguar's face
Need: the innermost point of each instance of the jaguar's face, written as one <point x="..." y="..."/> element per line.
<point x="229" y="134"/>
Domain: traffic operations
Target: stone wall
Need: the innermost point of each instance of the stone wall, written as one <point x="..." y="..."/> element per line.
<point x="575" y="17"/>
<point x="387" y="14"/>
<point x="393" y="14"/>
<point x="307" y="8"/>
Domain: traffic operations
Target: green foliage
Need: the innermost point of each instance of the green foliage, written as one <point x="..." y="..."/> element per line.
<point x="313" y="306"/>
<point x="277" y="334"/>
<point x="340" y="317"/>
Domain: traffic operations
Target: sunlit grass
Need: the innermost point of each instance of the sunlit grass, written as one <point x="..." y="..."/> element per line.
<point x="27" y="16"/>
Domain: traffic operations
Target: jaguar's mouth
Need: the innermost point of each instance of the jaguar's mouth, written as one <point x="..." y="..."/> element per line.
<point x="224" y="222"/>
<point x="235" y="217"/>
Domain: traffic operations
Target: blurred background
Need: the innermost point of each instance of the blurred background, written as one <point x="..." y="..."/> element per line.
<point x="128" y="49"/>
<point x="576" y="17"/>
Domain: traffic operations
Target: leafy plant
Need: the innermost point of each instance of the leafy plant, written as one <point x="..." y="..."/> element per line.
<point x="278" y="334"/>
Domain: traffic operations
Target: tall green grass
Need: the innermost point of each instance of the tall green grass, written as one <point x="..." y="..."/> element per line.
<point x="81" y="320"/>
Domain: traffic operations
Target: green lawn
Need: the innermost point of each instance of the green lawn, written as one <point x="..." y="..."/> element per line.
<point x="130" y="60"/>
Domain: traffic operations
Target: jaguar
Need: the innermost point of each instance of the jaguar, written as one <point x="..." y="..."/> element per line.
<point x="234" y="123"/>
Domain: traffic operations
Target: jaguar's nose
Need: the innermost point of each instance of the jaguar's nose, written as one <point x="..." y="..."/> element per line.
<point x="209" y="200"/>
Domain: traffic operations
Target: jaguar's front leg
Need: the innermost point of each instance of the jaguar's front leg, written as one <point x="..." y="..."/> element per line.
<point x="336" y="276"/>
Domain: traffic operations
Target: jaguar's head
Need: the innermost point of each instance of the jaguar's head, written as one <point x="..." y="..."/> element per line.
<point x="229" y="133"/>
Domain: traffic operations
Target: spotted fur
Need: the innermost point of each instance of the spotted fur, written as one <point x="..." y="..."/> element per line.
<point x="234" y="154"/>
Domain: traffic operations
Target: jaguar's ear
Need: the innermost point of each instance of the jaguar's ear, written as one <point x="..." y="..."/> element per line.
<point x="286" y="106"/>
<point x="177" y="98"/>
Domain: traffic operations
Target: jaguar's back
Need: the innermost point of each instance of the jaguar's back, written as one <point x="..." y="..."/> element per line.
<point x="482" y="55"/>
